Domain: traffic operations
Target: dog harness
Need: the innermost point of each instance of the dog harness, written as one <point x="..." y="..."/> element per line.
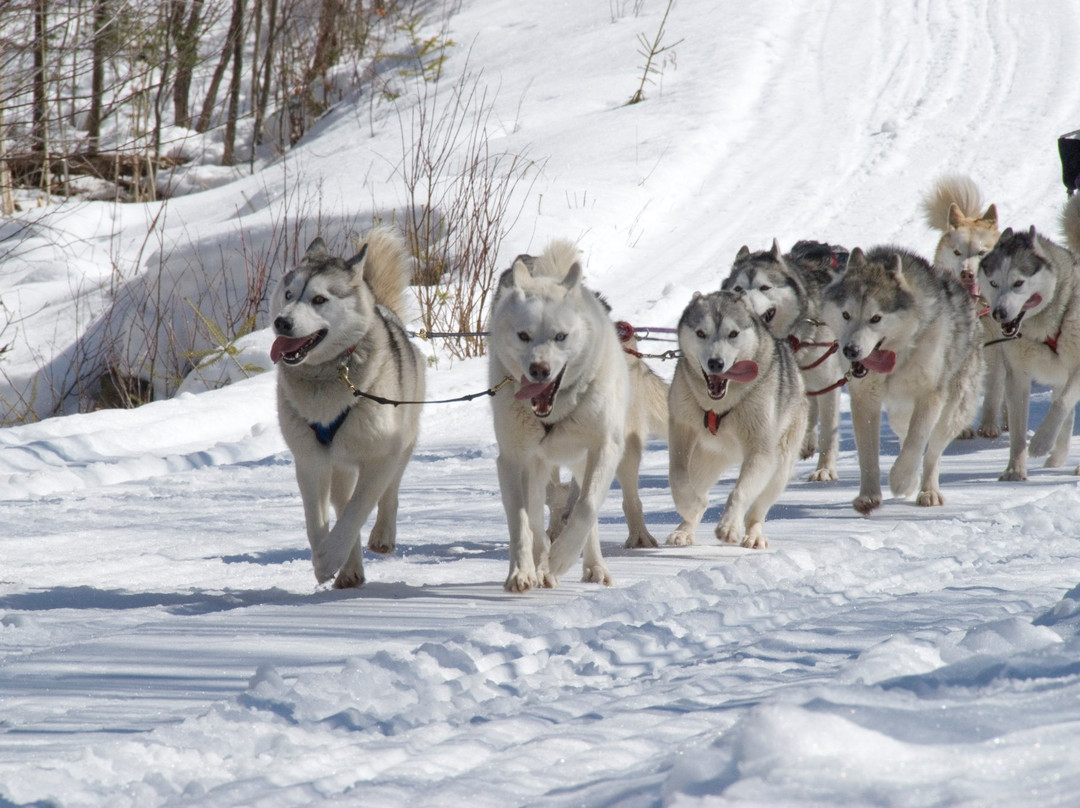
<point x="324" y="433"/>
<point x="713" y="419"/>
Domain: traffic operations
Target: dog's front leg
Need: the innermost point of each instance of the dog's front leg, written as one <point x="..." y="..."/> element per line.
<point x="1062" y="407"/>
<point x="828" y="408"/>
<point x="754" y="474"/>
<point x="866" y="422"/>
<point x="599" y="471"/>
<point x="903" y="476"/>
<point x="341" y="550"/>
<point x="314" y="481"/>
<point x="1018" y="394"/>
<point x="690" y="500"/>
<point x="513" y="479"/>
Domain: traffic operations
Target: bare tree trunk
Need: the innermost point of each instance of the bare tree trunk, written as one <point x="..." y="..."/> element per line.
<point x="97" y="76"/>
<point x="186" y="37"/>
<point x="40" y="129"/>
<point x="236" y="45"/>
<point x="267" y="72"/>
<point x="7" y="201"/>
<point x="236" y="27"/>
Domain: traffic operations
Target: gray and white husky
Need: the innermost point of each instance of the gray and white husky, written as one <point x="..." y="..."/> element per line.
<point x="952" y="208"/>
<point x="785" y="291"/>
<point x="554" y="339"/>
<point x="737" y="396"/>
<point x="334" y="316"/>
<point x="912" y="337"/>
<point x="1032" y="286"/>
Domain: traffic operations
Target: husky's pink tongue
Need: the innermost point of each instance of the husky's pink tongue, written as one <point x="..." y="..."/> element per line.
<point x="880" y="361"/>
<point x="744" y="371"/>
<point x="1032" y="302"/>
<point x="530" y="390"/>
<point x="284" y="345"/>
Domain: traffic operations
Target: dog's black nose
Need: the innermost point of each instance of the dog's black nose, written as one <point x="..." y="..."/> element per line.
<point x="283" y="325"/>
<point x="715" y="365"/>
<point x="539" y="371"/>
<point x="1000" y="315"/>
<point x="851" y="352"/>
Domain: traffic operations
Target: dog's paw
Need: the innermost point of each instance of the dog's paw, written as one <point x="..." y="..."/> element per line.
<point x="520" y="581"/>
<point x="989" y="431"/>
<point x="382" y="543"/>
<point x="929" y="498"/>
<point x="349" y="579"/>
<point x="1013" y="474"/>
<point x="1043" y="439"/>
<point x="825" y="475"/>
<point x="642" y="539"/>
<point x="728" y="534"/>
<point x="865" y="503"/>
<point x="682" y="536"/>
<point x="809" y="449"/>
<point x="966" y="434"/>
<point x="596" y="574"/>
<point x="755" y="539"/>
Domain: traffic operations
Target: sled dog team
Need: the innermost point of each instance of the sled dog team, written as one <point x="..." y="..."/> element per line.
<point x="757" y="383"/>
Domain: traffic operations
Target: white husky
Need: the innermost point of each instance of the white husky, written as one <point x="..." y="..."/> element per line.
<point x="553" y="336"/>
<point x="338" y="318"/>
<point x="737" y="397"/>
<point x="1033" y="288"/>
<point x="911" y="335"/>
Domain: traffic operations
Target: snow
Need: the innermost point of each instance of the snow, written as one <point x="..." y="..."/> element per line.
<point x="162" y="639"/>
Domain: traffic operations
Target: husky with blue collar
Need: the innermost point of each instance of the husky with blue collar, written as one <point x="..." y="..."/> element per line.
<point x="338" y="329"/>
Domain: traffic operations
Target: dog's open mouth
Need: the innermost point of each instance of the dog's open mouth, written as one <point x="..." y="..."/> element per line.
<point x="1012" y="328"/>
<point x="769" y="314"/>
<point x="717" y="383"/>
<point x="877" y="360"/>
<point x="541" y="395"/>
<point x="293" y="350"/>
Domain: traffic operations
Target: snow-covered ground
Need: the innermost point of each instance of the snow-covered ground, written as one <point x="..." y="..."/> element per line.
<point x="162" y="640"/>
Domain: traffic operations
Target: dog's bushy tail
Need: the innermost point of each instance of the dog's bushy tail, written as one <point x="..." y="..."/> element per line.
<point x="1070" y="223"/>
<point x="387" y="268"/>
<point x="951" y="189"/>
<point x="556" y="260"/>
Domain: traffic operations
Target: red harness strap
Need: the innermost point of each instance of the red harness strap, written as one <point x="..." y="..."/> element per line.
<point x="713" y="419"/>
<point x="797" y="345"/>
<point x="1052" y="342"/>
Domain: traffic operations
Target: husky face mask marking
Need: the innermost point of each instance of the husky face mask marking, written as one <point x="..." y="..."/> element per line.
<point x="862" y="306"/>
<point x="717" y="333"/>
<point x="308" y="299"/>
<point x="1015" y="280"/>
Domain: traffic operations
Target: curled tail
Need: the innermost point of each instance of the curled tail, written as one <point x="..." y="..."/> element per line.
<point x="387" y="267"/>
<point x="1070" y="223"/>
<point x="949" y="190"/>
<point x="556" y="259"/>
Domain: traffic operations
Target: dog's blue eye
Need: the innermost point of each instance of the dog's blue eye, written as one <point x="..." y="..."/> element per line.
<point x="993" y="284"/>
<point x="700" y="333"/>
<point x="560" y="337"/>
<point x="524" y="336"/>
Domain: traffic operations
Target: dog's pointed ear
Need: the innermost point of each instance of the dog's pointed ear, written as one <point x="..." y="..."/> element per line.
<point x="743" y="252"/>
<point x="895" y="267"/>
<point x="519" y="273"/>
<point x="856" y="258"/>
<point x="316" y="249"/>
<point x="356" y="263"/>
<point x="956" y="216"/>
<point x="776" y="253"/>
<point x="573" y="276"/>
<point x="1006" y="235"/>
<point x="991" y="215"/>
